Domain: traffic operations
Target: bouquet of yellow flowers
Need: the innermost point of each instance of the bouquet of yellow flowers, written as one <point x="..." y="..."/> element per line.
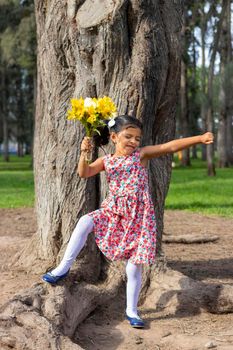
<point x="91" y="112"/>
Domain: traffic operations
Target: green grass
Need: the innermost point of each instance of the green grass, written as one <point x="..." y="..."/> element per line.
<point x="16" y="183"/>
<point x="192" y="190"/>
<point x="16" y="163"/>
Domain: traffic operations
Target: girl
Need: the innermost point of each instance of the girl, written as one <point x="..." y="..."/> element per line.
<point x="124" y="226"/>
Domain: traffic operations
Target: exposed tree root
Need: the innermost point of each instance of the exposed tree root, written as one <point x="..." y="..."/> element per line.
<point x="177" y="293"/>
<point x="189" y="238"/>
<point x="47" y="317"/>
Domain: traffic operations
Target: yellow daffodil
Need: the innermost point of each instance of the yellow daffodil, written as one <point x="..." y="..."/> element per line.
<point x="91" y="112"/>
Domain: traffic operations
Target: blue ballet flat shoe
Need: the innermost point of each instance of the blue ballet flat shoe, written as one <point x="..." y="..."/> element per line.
<point x="50" y="278"/>
<point x="135" y="322"/>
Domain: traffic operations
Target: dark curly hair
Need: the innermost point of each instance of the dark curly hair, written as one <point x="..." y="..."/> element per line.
<point x="121" y="122"/>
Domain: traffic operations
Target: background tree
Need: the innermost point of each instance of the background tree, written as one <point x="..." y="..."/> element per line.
<point x="17" y="72"/>
<point x="210" y="118"/>
<point x="184" y="102"/>
<point x="225" y="115"/>
<point x="203" y="34"/>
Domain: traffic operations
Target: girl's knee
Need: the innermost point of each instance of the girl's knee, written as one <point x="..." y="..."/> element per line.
<point x="85" y="218"/>
<point x="86" y="221"/>
<point x="133" y="269"/>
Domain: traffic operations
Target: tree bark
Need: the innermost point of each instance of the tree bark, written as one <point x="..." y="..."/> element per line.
<point x="210" y="119"/>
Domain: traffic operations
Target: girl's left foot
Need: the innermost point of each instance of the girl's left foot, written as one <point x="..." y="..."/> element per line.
<point x="52" y="279"/>
<point x="135" y="322"/>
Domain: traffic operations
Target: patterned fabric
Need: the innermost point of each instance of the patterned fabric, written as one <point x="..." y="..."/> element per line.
<point x="125" y="226"/>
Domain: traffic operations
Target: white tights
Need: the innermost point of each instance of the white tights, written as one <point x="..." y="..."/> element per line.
<point x="78" y="239"/>
<point x="133" y="286"/>
<point x="79" y="236"/>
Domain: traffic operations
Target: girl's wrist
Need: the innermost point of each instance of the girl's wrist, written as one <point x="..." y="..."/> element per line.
<point x="84" y="157"/>
<point x="200" y="139"/>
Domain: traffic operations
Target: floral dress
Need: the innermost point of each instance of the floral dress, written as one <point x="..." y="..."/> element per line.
<point x="125" y="226"/>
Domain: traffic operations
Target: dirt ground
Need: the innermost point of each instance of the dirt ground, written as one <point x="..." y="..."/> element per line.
<point x="106" y="329"/>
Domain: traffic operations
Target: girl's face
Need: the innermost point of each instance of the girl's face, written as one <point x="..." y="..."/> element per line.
<point x="127" y="140"/>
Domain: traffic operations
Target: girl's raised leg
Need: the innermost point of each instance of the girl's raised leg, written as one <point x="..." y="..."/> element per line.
<point x="78" y="238"/>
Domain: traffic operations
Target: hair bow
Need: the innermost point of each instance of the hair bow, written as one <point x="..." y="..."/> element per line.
<point x="111" y="122"/>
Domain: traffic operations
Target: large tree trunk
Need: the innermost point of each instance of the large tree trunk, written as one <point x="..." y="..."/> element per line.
<point x="125" y="50"/>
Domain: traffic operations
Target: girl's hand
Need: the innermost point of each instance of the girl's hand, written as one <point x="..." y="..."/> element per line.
<point x="86" y="145"/>
<point x="207" y="138"/>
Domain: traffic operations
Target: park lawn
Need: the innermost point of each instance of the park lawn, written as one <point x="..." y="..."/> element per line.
<point x="16" y="163"/>
<point x="16" y="183"/>
<point x="192" y="190"/>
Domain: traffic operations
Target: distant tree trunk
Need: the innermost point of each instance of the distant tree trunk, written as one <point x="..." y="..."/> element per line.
<point x="194" y="152"/>
<point x="210" y="148"/>
<point x="210" y="119"/>
<point x="19" y="110"/>
<point x="6" y="156"/>
<point x="20" y="151"/>
<point x="225" y="135"/>
<point x="193" y="91"/>
<point x="203" y="81"/>
<point x="230" y="137"/>
<point x="184" y="106"/>
<point x="5" y="118"/>
<point x="184" y="129"/>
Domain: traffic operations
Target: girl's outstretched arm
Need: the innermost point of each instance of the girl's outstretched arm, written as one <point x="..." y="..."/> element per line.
<point x="149" y="152"/>
<point x="84" y="169"/>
